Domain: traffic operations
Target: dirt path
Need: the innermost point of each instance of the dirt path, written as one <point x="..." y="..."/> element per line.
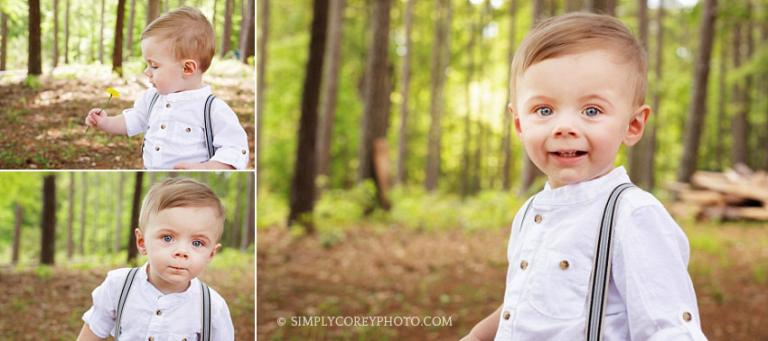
<point x="401" y="272"/>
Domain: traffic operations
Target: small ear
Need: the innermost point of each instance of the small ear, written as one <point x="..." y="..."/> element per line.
<point x="515" y="118"/>
<point x="215" y="249"/>
<point x="190" y="66"/>
<point x="637" y="125"/>
<point x="140" y="242"/>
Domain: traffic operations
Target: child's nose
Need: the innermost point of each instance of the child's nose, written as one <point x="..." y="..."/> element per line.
<point x="565" y="125"/>
<point x="147" y="73"/>
<point x="181" y="252"/>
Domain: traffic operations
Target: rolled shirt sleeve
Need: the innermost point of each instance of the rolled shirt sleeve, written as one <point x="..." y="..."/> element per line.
<point x="650" y="271"/>
<point x="229" y="137"/>
<point x="101" y="316"/>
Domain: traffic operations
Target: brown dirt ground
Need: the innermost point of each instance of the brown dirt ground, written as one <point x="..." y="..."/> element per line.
<point x="402" y="272"/>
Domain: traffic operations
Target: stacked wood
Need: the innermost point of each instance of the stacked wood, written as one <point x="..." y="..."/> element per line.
<point x="736" y="194"/>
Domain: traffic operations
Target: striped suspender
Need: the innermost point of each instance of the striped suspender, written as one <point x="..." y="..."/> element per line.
<point x="206" y="315"/>
<point x="601" y="270"/>
<point x="206" y="120"/>
<point x="123" y="297"/>
<point x="209" y="126"/>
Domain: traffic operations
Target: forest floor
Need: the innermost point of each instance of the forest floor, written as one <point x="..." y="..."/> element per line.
<point x="48" y="305"/>
<point x="42" y="126"/>
<point x="396" y="271"/>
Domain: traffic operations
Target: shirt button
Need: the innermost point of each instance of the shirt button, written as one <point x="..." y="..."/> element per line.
<point x="162" y="126"/>
<point x="506" y="315"/>
<point x="524" y="264"/>
<point x="188" y="129"/>
<point x="564" y="264"/>
<point x="687" y="316"/>
<point x="158" y="312"/>
<point x="167" y="105"/>
<point x="243" y="151"/>
<point x="157" y="149"/>
<point x="537" y="218"/>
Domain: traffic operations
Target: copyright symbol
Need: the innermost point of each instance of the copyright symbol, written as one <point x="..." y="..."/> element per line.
<point x="280" y="321"/>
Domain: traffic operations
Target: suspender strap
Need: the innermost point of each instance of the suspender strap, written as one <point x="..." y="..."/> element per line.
<point x="209" y="126"/>
<point x="206" y="312"/>
<point x="152" y="102"/>
<point x="525" y="213"/>
<point x="601" y="270"/>
<point x="123" y="297"/>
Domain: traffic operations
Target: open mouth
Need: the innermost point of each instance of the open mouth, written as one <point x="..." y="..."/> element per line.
<point x="568" y="153"/>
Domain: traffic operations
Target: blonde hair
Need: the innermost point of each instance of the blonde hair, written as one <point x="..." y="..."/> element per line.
<point x="180" y="192"/>
<point x="189" y="33"/>
<point x="578" y="32"/>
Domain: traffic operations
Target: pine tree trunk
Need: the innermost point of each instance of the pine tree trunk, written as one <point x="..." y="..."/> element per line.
<point x="129" y="37"/>
<point x="18" y="219"/>
<point x="739" y="119"/>
<point x="119" y="213"/>
<point x="117" y="50"/>
<point x="236" y="235"/>
<point x="698" y="110"/>
<point x="83" y="209"/>
<point x="55" y="57"/>
<point x="246" y="37"/>
<point x="153" y="10"/>
<point x="506" y="145"/>
<point x="48" y="221"/>
<point x="330" y="91"/>
<point x="440" y="61"/>
<point x="71" y="216"/>
<point x="649" y="154"/>
<point x="135" y="209"/>
<point x="34" y="64"/>
<point x="530" y="172"/>
<point x="101" y="33"/>
<point x="249" y="225"/>
<point x="66" y="33"/>
<point x="261" y="77"/>
<point x="226" y="29"/>
<point x="405" y="84"/>
<point x="636" y="152"/>
<point x="466" y="182"/>
<point x="4" y="37"/>
<point x="303" y="184"/>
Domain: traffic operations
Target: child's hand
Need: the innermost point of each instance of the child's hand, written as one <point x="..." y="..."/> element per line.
<point x="95" y="117"/>
<point x="204" y="165"/>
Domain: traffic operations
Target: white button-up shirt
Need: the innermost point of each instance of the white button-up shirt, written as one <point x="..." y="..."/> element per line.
<point x="650" y="294"/>
<point x="150" y="313"/>
<point x="174" y="131"/>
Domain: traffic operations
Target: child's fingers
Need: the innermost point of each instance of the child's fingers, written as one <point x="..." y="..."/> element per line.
<point x="182" y="165"/>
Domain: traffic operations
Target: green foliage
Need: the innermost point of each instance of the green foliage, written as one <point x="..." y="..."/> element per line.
<point x="33" y="82"/>
<point x="760" y="273"/>
<point x="44" y="272"/>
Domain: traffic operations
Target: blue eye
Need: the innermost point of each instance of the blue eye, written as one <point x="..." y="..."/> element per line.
<point x="197" y="243"/>
<point x="543" y="111"/>
<point x="591" y="112"/>
<point x="167" y="238"/>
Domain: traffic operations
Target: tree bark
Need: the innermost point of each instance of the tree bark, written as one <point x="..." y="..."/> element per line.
<point x="649" y="154"/>
<point x="129" y="37"/>
<point x="405" y="84"/>
<point x="71" y="216"/>
<point x="18" y="219"/>
<point x="261" y="77"/>
<point x="530" y="172"/>
<point x="330" y="91"/>
<point x="236" y="236"/>
<point x="153" y="10"/>
<point x="4" y="37"/>
<point x="636" y="152"/>
<point x="135" y="209"/>
<point x="34" y="64"/>
<point x="466" y="182"/>
<point x="722" y="100"/>
<point x="101" y="33"/>
<point x="66" y="33"/>
<point x="695" y="120"/>
<point x="303" y="184"/>
<point x="117" y="49"/>
<point x="226" y="29"/>
<point x="603" y="7"/>
<point x="740" y="101"/>
<point x="55" y="57"/>
<point x="48" y="221"/>
<point x="440" y="61"/>
<point x="249" y="227"/>
<point x="246" y="37"/>
<point x="506" y="146"/>
<point x="83" y="209"/>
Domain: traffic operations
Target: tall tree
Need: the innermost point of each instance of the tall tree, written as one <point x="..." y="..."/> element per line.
<point x="48" y="221"/>
<point x="129" y="30"/>
<point x="507" y="122"/>
<point x="405" y="84"/>
<point x="530" y="172"/>
<point x="246" y="37"/>
<point x="135" y="209"/>
<point x="66" y="33"/>
<point x="18" y="219"/>
<point x="739" y="99"/>
<point x="698" y="109"/>
<point x="303" y="183"/>
<point x="153" y="10"/>
<point x="440" y="61"/>
<point x="117" y="48"/>
<point x="466" y="181"/>
<point x="603" y="6"/>
<point x="119" y="213"/>
<point x="722" y="98"/>
<point x="226" y="29"/>
<point x="649" y="154"/>
<point x="636" y="152"/>
<point x="249" y="226"/>
<point x="330" y="89"/>
<point x="261" y="76"/>
<point x="236" y="235"/>
<point x="101" y="32"/>
<point x="83" y="208"/>
<point x="55" y="57"/>
<point x="71" y="216"/>
<point x="373" y="154"/>
<point x="34" y="64"/>
<point x="4" y="37"/>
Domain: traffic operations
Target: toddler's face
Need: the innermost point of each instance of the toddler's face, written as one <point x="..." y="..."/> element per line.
<point x="163" y="70"/>
<point x="573" y="112"/>
<point x="180" y="242"/>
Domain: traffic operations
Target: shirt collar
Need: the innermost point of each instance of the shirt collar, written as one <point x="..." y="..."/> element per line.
<point x="195" y="94"/>
<point x="583" y="191"/>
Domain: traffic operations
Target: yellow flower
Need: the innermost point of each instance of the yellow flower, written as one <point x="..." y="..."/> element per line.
<point x="112" y="92"/>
